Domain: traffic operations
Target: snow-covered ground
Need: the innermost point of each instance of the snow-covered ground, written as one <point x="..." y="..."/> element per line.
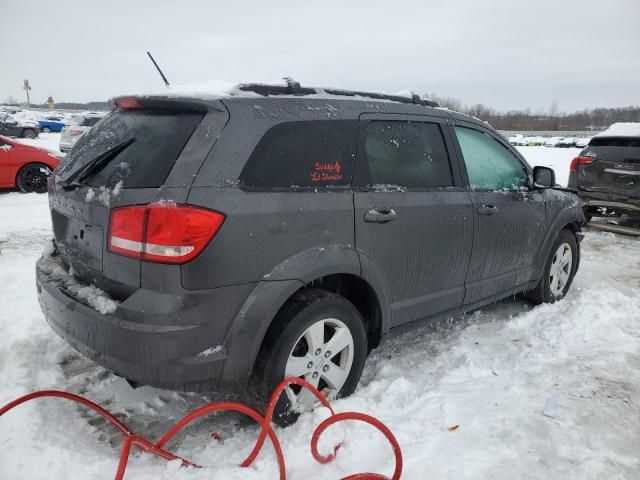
<point x="491" y="372"/>
<point x="557" y="158"/>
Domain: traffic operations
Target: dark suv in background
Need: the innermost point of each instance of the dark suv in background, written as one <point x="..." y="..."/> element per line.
<point x="284" y="231"/>
<point x="606" y="174"/>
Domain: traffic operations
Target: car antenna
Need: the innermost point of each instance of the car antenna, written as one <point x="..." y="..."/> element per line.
<point x="166" y="82"/>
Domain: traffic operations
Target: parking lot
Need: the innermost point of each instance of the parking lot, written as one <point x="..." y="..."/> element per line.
<point x="493" y="372"/>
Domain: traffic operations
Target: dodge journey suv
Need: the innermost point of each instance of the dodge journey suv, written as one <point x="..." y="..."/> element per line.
<point x="222" y="243"/>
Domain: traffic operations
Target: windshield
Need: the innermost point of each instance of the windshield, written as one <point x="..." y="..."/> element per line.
<point x="159" y="138"/>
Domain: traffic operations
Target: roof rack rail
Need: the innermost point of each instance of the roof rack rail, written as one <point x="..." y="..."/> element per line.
<point x="294" y="88"/>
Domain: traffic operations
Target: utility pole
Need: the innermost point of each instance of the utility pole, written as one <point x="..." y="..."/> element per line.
<point x="27" y="87"/>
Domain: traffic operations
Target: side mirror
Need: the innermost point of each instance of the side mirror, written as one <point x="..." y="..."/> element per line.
<point x="543" y="177"/>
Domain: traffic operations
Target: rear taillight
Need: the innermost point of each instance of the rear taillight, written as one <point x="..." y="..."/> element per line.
<point x="75" y="133"/>
<point x="580" y="161"/>
<point x="129" y="103"/>
<point x="166" y="233"/>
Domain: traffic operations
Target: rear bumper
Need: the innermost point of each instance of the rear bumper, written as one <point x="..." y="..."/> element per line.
<point x="160" y="339"/>
<point x="610" y="200"/>
<point x="65" y="146"/>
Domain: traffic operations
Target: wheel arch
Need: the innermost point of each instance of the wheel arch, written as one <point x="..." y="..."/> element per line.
<point x="572" y="219"/>
<point x="333" y="268"/>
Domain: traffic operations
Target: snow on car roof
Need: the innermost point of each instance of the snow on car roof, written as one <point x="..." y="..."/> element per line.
<point x="216" y="89"/>
<point x="621" y="129"/>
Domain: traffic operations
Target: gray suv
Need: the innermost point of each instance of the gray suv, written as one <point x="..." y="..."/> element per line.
<point x="284" y="231"/>
<point x="606" y="174"/>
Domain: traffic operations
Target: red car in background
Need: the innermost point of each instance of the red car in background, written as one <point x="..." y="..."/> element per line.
<point x="25" y="167"/>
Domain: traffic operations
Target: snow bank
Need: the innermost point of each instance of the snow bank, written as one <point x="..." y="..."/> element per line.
<point x="621" y="129"/>
<point x="90" y="294"/>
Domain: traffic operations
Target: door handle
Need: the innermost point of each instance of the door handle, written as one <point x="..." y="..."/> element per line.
<point x="488" y="210"/>
<point x="380" y="215"/>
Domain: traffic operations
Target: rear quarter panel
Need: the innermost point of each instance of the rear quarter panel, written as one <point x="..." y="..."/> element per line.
<point x="264" y="229"/>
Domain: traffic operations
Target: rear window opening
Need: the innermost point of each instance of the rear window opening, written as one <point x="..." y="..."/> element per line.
<point x="615" y="142"/>
<point x="615" y="149"/>
<point x="158" y="138"/>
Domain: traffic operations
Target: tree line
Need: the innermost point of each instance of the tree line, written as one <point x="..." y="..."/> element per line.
<point x="526" y="120"/>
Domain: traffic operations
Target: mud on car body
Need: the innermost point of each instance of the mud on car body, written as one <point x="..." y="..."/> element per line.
<point x="283" y="231"/>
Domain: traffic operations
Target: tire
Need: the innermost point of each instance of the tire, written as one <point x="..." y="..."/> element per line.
<point x="29" y="133"/>
<point x="287" y="340"/>
<point x="45" y="130"/>
<point x="557" y="274"/>
<point x="587" y="214"/>
<point x="33" y="177"/>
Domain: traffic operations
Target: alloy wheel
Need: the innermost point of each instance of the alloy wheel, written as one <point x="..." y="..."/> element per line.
<point x="560" y="269"/>
<point x="323" y="356"/>
<point x="33" y="178"/>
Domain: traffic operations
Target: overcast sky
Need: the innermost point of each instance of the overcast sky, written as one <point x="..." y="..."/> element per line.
<point x="503" y="53"/>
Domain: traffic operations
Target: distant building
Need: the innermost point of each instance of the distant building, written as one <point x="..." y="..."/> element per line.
<point x="50" y="103"/>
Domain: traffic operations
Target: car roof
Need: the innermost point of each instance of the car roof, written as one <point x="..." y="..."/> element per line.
<point x="206" y="97"/>
<point x="621" y="129"/>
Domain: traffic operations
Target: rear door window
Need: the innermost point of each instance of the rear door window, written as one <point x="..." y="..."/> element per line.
<point x="309" y="154"/>
<point x="615" y="149"/>
<point x="407" y="154"/>
<point x="90" y="121"/>
<point x="490" y="165"/>
<point x="158" y="138"/>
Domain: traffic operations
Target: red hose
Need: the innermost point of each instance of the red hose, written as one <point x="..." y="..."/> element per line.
<point x="264" y="422"/>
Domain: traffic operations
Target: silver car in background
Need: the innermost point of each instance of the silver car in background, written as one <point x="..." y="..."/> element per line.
<point x="76" y="127"/>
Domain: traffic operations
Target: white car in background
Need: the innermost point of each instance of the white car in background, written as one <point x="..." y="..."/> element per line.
<point x="582" y="142"/>
<point x="567" y="142"/>
<point x="553" y="141"/>
<point x="518" y="139"/>
<point x="535" y="141"/>
<point x="76" y="127"/>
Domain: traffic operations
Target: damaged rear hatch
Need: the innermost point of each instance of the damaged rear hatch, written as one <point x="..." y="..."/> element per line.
<point x="146" y="150"/>
<point x="610" y="165"/>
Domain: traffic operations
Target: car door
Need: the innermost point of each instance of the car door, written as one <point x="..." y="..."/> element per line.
<point x="5" y="164"/>
<point x="3" y="127"/>
<point x="9" y="126"/>
<point x="413" y="217"/>
<point x="509" y="218"/>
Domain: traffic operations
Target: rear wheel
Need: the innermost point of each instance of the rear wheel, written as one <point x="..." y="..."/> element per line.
<point x="559" y="270"/>
<point x="319" y="337"/>
<point x="29" y="133"/>
<point x="46" y="130"/>
<point x="33" y="178"/>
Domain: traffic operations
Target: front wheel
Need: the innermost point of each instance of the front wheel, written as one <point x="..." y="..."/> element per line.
<point x="29" y="133"/>
<point x="319" y="337"/>
<point x="46" y="130"/>
<point x="560" y="268"/>
<point x="33" y="178"/>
